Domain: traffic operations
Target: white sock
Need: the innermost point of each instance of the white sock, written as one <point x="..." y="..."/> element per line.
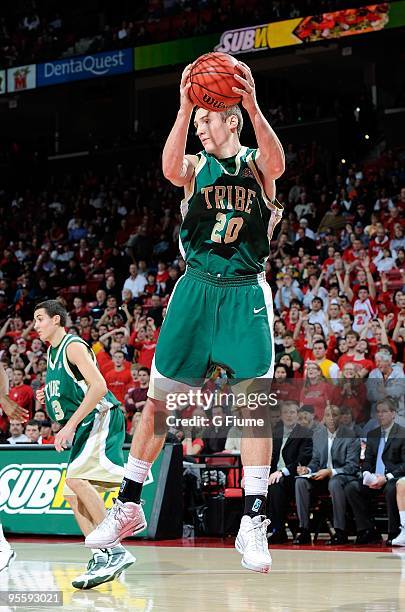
<point x="402" y="517"/>
<point x="256" y="479"/>
<point x="3" y="542"/>
<point x="137" y="470"/>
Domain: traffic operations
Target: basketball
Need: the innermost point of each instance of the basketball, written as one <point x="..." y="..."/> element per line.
<point x="212" y="79"/>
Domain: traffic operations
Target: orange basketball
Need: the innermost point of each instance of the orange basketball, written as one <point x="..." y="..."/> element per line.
<point x="212" y="79"/>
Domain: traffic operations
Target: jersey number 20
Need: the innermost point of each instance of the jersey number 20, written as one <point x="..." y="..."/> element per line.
<point x="232" y="229"/>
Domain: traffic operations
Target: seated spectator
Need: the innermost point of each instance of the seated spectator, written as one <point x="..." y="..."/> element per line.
<point x="330" y="369"/>
<point x="332" y="219"/>
<point x="171" y="281"/>
<point x="40" y="416"/>
<point x="289" y="349"/>
<point x="136" y="281"/>
<point x="351" y="392"/>
<point x="398" y="241"/>
<point x="192" y="438"/>
<point x="46" y="432"/>
<point x="32" y="431"/>
<point x="334" y="464"/>
<point x="135" y="398"/>
<point x="287" y="291"/>
<point x="393" y="378"/>
<point x="384" y="464"/>
<point x="284" y="385"/>
<point x="306" y="418"/>
<point x="155" y="311"/>
<point x="346" y="419"/>
<point x="79" y="309"/>
<point x="97" y="310"/>
<point x="317" y="391"/>
<point x="292" y="446"/>
<point x="17" y="435"/>
<point x="303" y="242"/>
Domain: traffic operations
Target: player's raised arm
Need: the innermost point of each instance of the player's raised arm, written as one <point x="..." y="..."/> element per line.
<point x="270" y="158"/>
<point x="178" y="167"/>
<point x="79" y="356"/>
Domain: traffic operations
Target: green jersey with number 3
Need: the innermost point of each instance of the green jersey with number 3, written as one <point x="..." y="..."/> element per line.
<point x="226" y="216"/>
<point x="65" y="387"/>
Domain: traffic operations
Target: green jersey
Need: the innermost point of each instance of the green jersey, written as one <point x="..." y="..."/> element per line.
<point x="226" y="215"/>
<point x="65" y="386"/>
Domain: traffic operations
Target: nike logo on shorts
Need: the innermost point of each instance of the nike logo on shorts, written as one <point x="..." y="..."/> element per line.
<point x="84" y="424"/>
<point x="256" y="310"/>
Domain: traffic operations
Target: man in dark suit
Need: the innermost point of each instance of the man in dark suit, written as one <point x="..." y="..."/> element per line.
<point x="292" y="446"/>
<point x="334" y="463"/>
<point x="384" y="464"/>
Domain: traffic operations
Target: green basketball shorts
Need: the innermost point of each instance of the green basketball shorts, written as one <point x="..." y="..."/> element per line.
<point x="96" y="454"/>
<point x="214" y="321"/>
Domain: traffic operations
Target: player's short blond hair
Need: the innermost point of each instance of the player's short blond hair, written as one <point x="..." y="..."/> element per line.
<point x="233" y="110"/>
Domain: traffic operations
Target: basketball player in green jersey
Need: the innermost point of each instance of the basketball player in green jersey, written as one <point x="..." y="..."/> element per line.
<point x="76" y="396"/>
<point x="16" y="412"/>
<point x="220" y="311"/>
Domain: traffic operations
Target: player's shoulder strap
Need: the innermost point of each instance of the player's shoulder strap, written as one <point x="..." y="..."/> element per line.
<point x="71" y="366"/>
<point x="79" y="340"/>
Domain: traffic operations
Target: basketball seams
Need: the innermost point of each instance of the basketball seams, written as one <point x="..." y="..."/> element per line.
<point x="215" y="93"/>
<point x="212" y="75"/>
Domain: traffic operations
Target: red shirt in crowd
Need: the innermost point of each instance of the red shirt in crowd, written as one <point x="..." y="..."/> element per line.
<point x="23" y="395"/>
<point x="368" y="364"/>
<point x="317" y="396"/>
<point x="118" y="381"/>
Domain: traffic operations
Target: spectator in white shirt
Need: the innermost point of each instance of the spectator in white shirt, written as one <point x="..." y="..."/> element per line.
<point x="384" y="261"/>
<point x="17" y="435"/>
<point x="135" y="282"/>
<point x="317" y="314"/>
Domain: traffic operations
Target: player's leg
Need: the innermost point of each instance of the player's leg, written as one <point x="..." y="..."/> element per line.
<point x="244" y="342"/>
<point x="188" y="329"/>
<point x="127" y="517"/>
<point x="7" y="554"/>
<point x="89" y="511"/>
<point x="251" y="540"/>
<point x="89" y="508"/>
<point x="82" y="517"/>
<point x="96" y="457"/>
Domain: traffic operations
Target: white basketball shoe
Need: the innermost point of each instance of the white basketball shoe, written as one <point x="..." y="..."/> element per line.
<point x="251" y="543"/>
<point x="400" y="539"/>
<point x="121" y="521"/>
<point x="7" y="556"/>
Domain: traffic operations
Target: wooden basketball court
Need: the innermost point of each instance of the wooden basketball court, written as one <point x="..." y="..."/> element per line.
<point x="189" y="578"/>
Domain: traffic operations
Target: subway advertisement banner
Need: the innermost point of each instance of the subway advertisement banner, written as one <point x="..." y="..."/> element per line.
<point x="266" y="36"/>
<point x="31" y="491"/>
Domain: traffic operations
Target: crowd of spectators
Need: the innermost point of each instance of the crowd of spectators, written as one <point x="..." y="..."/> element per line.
<point x="106" y="245"/>
<point x="35" y="30"/>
